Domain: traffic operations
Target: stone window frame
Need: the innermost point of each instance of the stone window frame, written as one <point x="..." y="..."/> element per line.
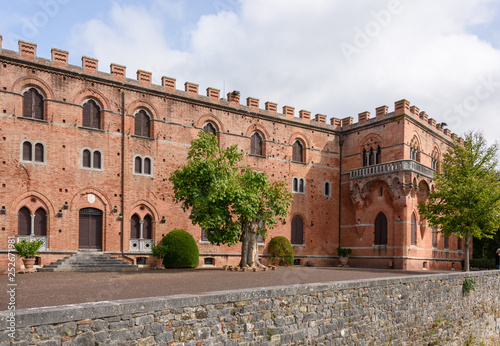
<point x="296" y="185"/>
<point x="100" y="127"/>
<point x="92" y="163"/>
<point x="39" y="91"/>
<point x="143" y="160"/>
<point x="329" y="184"/>
<point x="33" y="160"/>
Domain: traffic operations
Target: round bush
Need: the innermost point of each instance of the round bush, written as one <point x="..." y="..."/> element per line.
<point x="182" y="251"/>
<point x="281" y="251"/>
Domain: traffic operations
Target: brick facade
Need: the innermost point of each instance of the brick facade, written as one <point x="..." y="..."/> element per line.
<point x="127" y="171"/>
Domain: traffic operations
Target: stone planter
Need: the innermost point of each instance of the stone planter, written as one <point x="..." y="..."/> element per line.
<point x="29" y="263"/>
<point x="343" y="260"/>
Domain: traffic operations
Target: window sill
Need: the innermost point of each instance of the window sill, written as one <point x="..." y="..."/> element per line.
<point x="144" y="175"/>
<point x="299" y="245"/>
<point x="142" y="137"/>
<point x="299" y="162"/>
<point x="33" y="163"/>
<point x="92" y="169"/>
<point x="36" y="120"/>
<point x="300" y="193"/>
<point x="257" y="156"/>
<point x="92" y="129"/>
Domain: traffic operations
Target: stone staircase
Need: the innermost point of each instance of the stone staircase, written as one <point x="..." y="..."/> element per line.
<point x="89" y="262"/>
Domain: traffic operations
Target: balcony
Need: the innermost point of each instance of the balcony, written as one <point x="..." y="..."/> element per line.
<point x="141" y="245"/>
<point x="392" y="167"/>
<point x="28" y="238"/>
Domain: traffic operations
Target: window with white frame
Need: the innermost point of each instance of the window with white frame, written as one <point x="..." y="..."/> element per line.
<point x="91" y="158"/>
<point x="143" y="165"/>
<point x="32" y="152"/>
<point x="298" y="185"/>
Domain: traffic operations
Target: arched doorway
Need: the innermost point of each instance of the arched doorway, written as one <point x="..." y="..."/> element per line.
<point x="90" y="229"/>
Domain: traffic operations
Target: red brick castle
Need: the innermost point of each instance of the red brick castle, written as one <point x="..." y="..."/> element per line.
<point x="86" y="156"/>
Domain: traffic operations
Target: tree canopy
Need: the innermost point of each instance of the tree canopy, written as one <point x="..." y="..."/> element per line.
<point x="231" y="202"/>
<point x="466" y="197"/>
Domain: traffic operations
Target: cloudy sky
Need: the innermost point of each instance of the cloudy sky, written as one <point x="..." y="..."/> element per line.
<point x="334" y="57"/>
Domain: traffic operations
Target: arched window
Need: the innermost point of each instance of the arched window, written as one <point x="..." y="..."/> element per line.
<point x="413" y="229"/>
<point x="24" y="222"/>
<point x="91" y="115"/>
<point x="415" y="149"/>
<point x="298" y="151"/>
<point x="91" y="159"/>
<point x="365" y="158"/>
<point x="40" y="223"/>
<point x="295" y="185"/>
<point x="27" y="151"/>
<point x="138" y="165"/>
<point x="297" y="230"/>
<point x="33" y="152"/>
<point x="33" y="104"/>
<point x="327" y="189"/>
<point x="301" y="185"/>
<point x="143" y="165"/>
<point x="86" y="158"/>
<point x="210" y="128"/>
<point x="147" y="166"/>
<point x="381" y="229"/>
<point x="256" y="143"/>
<point x="135" y="227"/>
<point x="147" y="227"/>
<point x="97" y="159"/>
<point x="142" y="124"/>
<point x="378" y="155"/>
<point x="39" y="152"/>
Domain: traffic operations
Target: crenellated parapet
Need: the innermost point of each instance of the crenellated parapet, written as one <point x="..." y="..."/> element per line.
<point x="90" y="66"/>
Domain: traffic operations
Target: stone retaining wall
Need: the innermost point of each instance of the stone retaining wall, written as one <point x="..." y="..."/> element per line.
<point x="427" y="309"/>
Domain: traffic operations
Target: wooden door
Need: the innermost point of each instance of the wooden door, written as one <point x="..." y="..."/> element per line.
<point x="90" y="229"/>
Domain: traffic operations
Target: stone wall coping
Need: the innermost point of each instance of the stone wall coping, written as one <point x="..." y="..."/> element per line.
<point x="95" y="310"/>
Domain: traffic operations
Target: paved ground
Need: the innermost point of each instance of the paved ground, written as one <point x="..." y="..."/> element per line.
<point x="58" y="288"/>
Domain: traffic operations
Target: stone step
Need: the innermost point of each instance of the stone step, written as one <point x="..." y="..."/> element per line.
<point x="89" y="261"/>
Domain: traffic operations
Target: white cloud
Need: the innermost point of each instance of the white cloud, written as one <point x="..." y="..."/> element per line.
<point x="291" y="52"/>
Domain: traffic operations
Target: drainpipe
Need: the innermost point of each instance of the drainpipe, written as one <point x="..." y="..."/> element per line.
<point x="122" y="208"/>
<point x="341" y="142"/>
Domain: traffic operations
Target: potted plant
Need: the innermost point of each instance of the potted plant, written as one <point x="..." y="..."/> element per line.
<point x="28" y="250"/>
<point x="344" y="255"/>
<point x="225" y="267"/>
<point x="159" y="251"/>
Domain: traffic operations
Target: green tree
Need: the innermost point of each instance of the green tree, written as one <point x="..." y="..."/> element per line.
<point x="232" y="203"/>
<point x="466" y="197"/>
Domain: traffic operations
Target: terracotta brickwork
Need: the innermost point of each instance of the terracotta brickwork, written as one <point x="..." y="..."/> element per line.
<point x="118" y="161"/>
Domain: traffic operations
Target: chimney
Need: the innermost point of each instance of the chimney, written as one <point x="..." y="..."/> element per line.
<point x="89" y="64"/>
<point x="303" y="114"/>
<point x="320" y="118"/>
<point x="439" y="127"/>
<point x="27" y="50"/>
<point x="432" y="122"/>
<point x="271" y="107"/>
<point x="447" y="132"/>
<point x="363" y="117"/>
<point x="381" y="111"/>
<point x="253" y="103"/>
<point x="346" y="122"/>
<point x="59" y="57"/>
<point x="168" y="83"/>
<point x="213" y="94"/>
<point x="118" y="71"/>
<point x="288" y="111"/>
<point x="402" y="107"/>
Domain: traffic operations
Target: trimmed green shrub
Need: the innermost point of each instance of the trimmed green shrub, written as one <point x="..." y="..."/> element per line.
<point x="181" y="250"/>
<point x="281" y="251"/>
<point x="482" y="263"/>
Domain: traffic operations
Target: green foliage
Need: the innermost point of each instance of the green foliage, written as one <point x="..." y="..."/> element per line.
<point x="181" y="250"/>
<point x="482" y="263"/>
<point x="344" y="252"/>
<point x="159" y="250"/>
<point x="466" y="197"/>
<point x="281" y="251"/>
<point x="224" y="197"/>
<point x="486" y="247"/>
<point x="28" y="249"/>
<point x="468" y="285"/>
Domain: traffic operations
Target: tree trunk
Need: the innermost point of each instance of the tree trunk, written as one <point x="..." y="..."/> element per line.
<point x="466" y="261"/>
<point x="249" y="249"/>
